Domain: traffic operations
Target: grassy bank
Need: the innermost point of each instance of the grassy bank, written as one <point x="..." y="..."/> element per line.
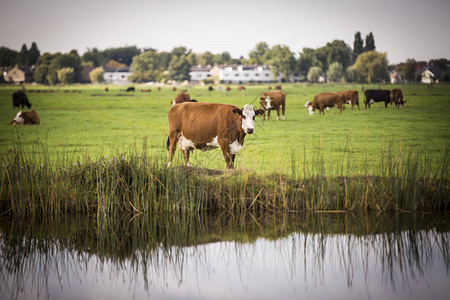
<point x="103" y="124"/>
<point x="44" y="183"/>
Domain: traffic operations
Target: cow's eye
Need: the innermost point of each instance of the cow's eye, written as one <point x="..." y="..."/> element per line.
<point x="253" y="117"/>
<point x="243" y="117"/>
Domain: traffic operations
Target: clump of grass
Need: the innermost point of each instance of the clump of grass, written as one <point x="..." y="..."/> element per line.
<point x="35" y="183"/>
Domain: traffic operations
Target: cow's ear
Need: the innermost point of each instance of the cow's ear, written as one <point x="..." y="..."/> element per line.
<point x="237" y="111"/>
<point x="259" y="112"/>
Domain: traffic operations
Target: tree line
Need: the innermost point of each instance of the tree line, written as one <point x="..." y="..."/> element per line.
<point x="336" y="61"/>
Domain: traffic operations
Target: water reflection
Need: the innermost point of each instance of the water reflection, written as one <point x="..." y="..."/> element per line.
<point x="348" y="256"/>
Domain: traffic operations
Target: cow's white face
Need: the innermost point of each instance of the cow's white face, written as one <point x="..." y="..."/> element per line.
<point x="248" y="119"/>
<point x="267" y="103"/>
<point x="18" y="119"/>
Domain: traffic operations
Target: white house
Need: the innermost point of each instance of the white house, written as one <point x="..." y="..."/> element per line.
<point x="200" y="73"/>
<point x="116" y="75"/>
<point x="430" y="74"/>
<point x="246" y="74"/>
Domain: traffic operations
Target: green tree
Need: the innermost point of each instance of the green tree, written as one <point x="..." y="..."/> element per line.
<point x="282" y="61"/>
<point x="257" y="55"/>
<point x="179" y="68"/>
<point x="335" y="72"/>
<point x="351" y="75"/>
<point x="206" y="59"/>
<point x="358" y="45"/>
<point x="314" y="74"/>
<point x="305" y="61"/>
<point x="33" y="54"/>
<point x="370" y="43"/>
<point x="22" y="59"/>
<point x="123" y="55"/>
<point x="372" y="66"/>
<point x="66" y="75"/>
<point x="8" y="57"/>
<point x="409" y="69"/>
<point x="93" y="56"/>
<point x="40" y="74"/>
<point x="96" y="75"/>
<point x="145" y="67"/>
<point x="70" y="60"/>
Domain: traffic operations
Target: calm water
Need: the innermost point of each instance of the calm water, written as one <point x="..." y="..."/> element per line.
<point x="314" y="256"/>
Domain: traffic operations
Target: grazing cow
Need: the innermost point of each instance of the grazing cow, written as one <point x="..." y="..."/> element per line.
<point x="210" y="88"/>
<point x="182" y="97"/>
<point x="273" y="100"/>
<point x="228" y="89"/>
<point x="241" y="88"/>
<point x="131" y="89"/>
<point x="373" y="96"/>
<point x="350" y="97"/>
<point x="159" y="88"/>
<point x="325" y="100"/>
<point x="106" y="89"/>
<point x="206" y="126"/>
<point x="174" y="89"/>
<point x="146" y="90"/>
<point x="26" y="118"/>
<point x="397" y="97"/>
<point x="20" y="100"/>
<point x="278" y="87"/>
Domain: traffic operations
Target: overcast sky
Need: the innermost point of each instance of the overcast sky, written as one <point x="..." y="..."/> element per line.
<point x="418" y="29"/>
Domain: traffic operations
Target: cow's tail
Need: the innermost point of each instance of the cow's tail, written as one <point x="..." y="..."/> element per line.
<point x="168" y="143"/>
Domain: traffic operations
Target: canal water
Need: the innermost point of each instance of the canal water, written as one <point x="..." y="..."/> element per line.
<point x="284" y="256"/>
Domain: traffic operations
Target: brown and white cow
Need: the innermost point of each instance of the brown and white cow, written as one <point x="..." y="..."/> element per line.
<point x="325" y="100"/>
<point x="350" y="97"/>
<point x="26" y="118"/>
<point x="182" y="97"/>
<point x="206" y="126"/>
<point x="396" y="97"/>
<point x="273" y="100"/>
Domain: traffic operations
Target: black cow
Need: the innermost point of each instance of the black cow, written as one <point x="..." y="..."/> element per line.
<point x="20" y="99"/>
<point x="373" y="96"/>
<point x="131" y="89"/>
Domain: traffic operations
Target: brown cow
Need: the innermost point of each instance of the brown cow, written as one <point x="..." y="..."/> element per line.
<point x="241" y="88"/>
<point x="182" y="97"/>
<point x="273" y="100"/>
<point x="207" y="126"/>
<point x="26" y="118"/>
<point x="350" y="97"/>
<point x="325" y="100"/>
<point x="396" y="96"/>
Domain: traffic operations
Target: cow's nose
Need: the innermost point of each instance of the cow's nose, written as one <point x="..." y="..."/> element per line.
<point x="250" y="130"/>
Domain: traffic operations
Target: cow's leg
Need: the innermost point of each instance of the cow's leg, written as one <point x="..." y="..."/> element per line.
<point x="229" y="158"/>
<point x="186" y="156"/>
<point x="278" y="114"/>
<point x="283" y="110"/>
<point x="172" y="146"/>
<point x="268" y="114"/>
<point x="340" y="108"/>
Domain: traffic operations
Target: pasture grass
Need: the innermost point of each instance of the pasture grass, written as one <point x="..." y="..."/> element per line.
<point x="104" y="153"/>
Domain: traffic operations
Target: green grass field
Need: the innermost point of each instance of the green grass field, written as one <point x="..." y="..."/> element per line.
<point x="98" y="124"/>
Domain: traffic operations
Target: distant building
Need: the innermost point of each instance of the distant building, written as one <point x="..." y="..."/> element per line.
<point x="395" y="77"/>
<point x="430" y="74"/>
<point x="116" y="75"/>
<point x="19" y="74"/>
<point x="246" y="74"/>
<point x="200" y="73"/>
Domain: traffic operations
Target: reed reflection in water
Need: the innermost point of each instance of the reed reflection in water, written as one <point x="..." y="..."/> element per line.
<point x="319" y="256"/>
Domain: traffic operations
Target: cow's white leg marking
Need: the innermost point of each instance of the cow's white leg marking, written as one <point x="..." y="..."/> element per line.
<point x="235" y="147"/>
<point x="311" y="111"/>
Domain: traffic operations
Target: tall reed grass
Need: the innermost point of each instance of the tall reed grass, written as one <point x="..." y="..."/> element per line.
<point x="37" y="182"/>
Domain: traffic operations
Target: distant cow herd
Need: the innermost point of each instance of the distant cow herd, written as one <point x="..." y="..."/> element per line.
<point x="207" y="126"/>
